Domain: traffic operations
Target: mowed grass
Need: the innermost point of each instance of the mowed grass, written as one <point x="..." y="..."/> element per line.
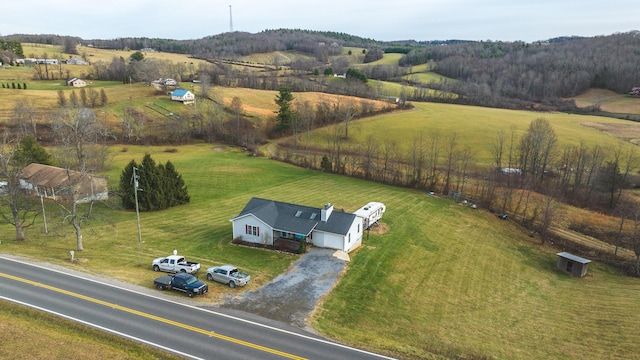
<point x="475" y="127"/>
<point x="441" y="279"/>
<point x="451" y="280"/>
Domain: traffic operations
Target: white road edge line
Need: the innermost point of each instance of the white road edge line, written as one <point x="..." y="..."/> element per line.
<point x="127" y="336"/>
<point x="210" y="311"/>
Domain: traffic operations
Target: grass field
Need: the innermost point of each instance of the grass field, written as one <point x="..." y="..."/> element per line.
<point x="609" y="101"/>
<point x="440" y="279"/>
<point x="29" y="333"/>
<point x="475" y="127"/>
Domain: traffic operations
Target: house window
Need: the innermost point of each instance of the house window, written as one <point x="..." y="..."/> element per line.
<point x="252" y="230"/>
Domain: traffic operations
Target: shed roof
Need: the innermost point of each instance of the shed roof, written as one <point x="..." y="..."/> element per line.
<point x="575" y="258"/>
<point x="179" y="92"/>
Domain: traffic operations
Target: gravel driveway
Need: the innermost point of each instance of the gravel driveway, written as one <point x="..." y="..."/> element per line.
<point x="292" y="296"/>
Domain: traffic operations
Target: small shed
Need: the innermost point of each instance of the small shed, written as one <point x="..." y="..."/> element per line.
<point x="573" y="264"/>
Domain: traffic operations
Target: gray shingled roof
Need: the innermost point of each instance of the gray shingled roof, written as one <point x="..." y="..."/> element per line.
<point x="296" y="219"/>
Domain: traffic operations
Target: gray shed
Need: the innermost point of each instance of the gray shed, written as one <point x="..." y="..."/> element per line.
<point x="573" y="264"/>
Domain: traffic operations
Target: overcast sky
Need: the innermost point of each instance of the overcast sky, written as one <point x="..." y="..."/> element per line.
<point x="506" y="20"/>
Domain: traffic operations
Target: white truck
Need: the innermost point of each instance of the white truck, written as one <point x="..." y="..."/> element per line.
<point x="175" y="264"/>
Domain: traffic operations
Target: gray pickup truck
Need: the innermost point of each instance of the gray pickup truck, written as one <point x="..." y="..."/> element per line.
<point x="228" y="275"/>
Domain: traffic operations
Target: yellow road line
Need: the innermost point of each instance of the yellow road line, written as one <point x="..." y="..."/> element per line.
<point x="154" y="317"/>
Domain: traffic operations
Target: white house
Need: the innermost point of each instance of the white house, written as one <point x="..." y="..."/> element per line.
<point x="185" y="96"/>
<point x="74" y="60"/>
<point x="269" y="222"/>
<point x="75" y="82"/>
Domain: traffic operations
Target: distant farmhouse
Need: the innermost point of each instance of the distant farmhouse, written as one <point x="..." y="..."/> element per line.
<point x="75" y="82"/>
<point x="182" y="95"/>
<point x="74" y="60"/>
<point x="279" y="224"/>
<point x="56" y="183"/>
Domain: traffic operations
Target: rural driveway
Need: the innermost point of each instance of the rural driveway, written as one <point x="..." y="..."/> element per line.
<point x="293" y="295"/>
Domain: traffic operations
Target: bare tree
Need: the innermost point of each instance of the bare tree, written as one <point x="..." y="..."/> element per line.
<point x="451" y="153"/>
<point x="536" y="149"/>
<point x="21" y="207"/>
<point x="236" y="109"/>
<point x="25" y="117"/>
<point x="549" y="217"/>
<point x="79" y="137"/>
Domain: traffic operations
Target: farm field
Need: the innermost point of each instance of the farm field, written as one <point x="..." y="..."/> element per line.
<point x="475" y="127"/>
<point x="436" y="280"/>
<point x="609" y="101"/>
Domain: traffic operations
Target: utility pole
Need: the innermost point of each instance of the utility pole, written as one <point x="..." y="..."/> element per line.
<point x="135" y="190"/>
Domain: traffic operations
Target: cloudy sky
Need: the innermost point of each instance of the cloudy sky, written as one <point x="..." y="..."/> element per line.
<point x="506" y="20"/>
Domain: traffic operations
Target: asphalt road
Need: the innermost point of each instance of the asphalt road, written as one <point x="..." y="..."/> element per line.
<point x="182" y="328"/>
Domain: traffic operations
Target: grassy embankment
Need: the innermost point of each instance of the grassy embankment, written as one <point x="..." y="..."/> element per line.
<point x="443" y="278"/>
<point x="30" y="334"/>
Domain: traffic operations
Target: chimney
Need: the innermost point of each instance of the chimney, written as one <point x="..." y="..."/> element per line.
<point x="326" y="212"/>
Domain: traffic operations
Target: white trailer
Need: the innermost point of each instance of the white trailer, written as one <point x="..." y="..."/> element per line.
<point x="370" y="213"/>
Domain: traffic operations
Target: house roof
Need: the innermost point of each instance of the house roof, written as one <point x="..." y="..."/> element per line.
<point x="296" y="219"/>
<point x="575" y="258"/>
<point x="179" y="92"/>
<point x="55" y="177"/>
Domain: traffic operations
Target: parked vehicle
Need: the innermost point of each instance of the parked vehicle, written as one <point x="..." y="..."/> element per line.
<point x="228" y="275"/>
<point x="183" y="282"/>
<point x="174" y="264"/>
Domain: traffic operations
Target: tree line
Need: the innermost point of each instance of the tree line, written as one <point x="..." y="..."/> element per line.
<point x="536" y="72"/>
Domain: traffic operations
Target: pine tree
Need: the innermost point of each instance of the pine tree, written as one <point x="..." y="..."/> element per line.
<point x="127" y="186"/>
<point x="159" y="187"/>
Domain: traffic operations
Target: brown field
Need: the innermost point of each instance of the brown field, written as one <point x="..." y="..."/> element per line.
<point x="609" y="101"/>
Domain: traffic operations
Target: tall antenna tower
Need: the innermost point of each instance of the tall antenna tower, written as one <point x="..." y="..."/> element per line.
<point x="230" y="20"/>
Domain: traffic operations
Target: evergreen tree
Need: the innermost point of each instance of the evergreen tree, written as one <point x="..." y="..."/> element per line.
<point x="159" y="187"/>
<point x="149" y="189"/>
<point x="127" y="186"/>
<point x="283" y="100"/>
<point x="180" y="195"/>
<point x="29" y="151"/>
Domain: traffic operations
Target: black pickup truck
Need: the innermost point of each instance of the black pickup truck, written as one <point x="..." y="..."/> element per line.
<point x="184" y="282"/>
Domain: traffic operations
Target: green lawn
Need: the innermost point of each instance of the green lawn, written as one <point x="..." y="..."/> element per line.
<point x="443" y="279"/>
